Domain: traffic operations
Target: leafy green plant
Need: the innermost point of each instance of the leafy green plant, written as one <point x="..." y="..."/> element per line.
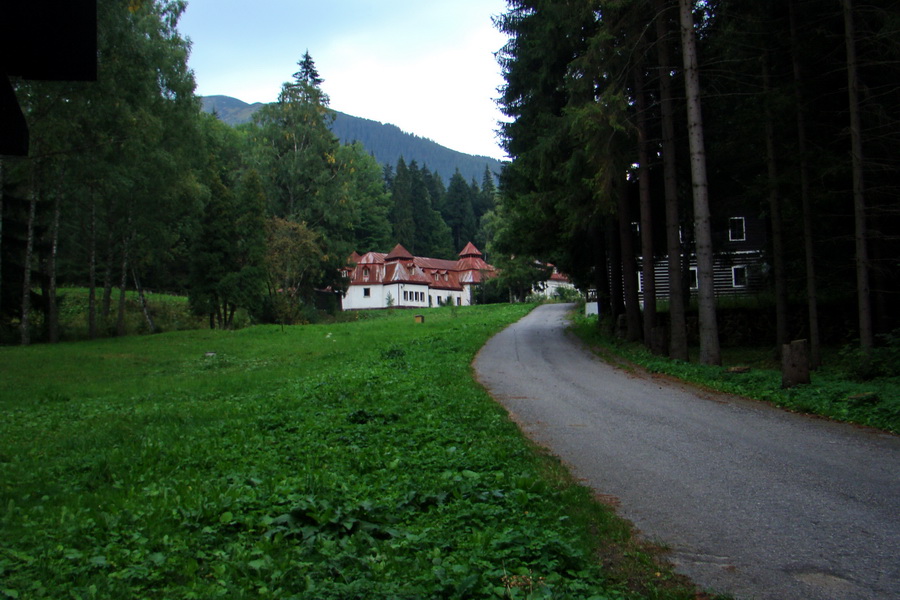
<point x="340" y="460"/>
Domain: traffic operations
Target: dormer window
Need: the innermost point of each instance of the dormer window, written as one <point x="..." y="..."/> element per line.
<point x="737" y="230"/>
<point x="365" y="272"/>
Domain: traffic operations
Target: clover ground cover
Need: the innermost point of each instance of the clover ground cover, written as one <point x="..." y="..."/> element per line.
<point x="353" y="460"/>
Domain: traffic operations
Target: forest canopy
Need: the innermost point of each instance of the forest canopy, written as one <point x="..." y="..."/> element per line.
<point x="645" y="136"/>
<point x="638" y="128"/>
<point x="129" y="186"/>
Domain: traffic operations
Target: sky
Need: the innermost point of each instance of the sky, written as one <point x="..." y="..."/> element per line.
<point x="427" y="67"/>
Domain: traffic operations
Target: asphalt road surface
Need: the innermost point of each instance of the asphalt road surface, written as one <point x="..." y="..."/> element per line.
<point x="753" y="501"/>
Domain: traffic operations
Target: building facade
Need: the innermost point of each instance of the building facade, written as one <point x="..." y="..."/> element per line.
<point x="400" y="280"/>
<point x="740" y="264"/>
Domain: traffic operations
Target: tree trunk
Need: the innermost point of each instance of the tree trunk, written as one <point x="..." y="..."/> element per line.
<point x="678" y="348"/>
<point x="1" y="235"/>
<point x="52" y="304"/>
<point x="92" y="272"/>
<point x="25" y="323"/>
<point x="815" y="358"/>
<point x="108" y="275"/>
<point x="781" y="300"/>
<point x="629" y="270"/>
<point x="866" y="333"/>
<point x="647" y="271"/>
<point x="617" y="294"/>
<point x="709" y="331"/>
<point x="604" y="294"/>
<point x="123" y="283"/>
<point x="140" y="290"/>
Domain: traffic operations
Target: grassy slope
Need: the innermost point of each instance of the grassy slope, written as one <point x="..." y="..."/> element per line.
<point x="331" y="461"/>
<point x="832" y="393"/>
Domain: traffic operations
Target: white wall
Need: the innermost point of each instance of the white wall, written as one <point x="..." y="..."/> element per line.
<point x="416" y="296"/>
<point x="550" y="288"/>
<point x="355" y="298"/>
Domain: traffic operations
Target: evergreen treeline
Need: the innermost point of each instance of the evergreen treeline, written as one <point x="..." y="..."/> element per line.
<point x="129" y="186"/>
<point x="387" y="143"/>
<point x="675" y="114"/>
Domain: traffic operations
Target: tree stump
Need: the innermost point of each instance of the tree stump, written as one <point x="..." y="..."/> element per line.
<point x="795" y="363"/>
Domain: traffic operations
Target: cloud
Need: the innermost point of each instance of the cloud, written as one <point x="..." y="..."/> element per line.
<point x="426" y="67"/>
<point x="443" y="92"/>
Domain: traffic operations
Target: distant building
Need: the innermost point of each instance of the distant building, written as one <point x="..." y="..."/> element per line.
<point x="553" y="284"/>
<point x="399" y="279"/>
<point x="740" y="267"/>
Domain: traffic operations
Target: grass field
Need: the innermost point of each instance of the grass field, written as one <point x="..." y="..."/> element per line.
<point x="350" y="460"/>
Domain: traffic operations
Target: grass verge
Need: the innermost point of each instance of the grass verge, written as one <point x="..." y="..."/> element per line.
<point x="832" y="393"/>
<point x="350" y="460"/>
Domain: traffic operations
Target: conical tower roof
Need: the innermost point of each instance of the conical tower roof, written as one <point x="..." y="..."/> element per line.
<point x="398" y="253"/>
<point x="470" y="251"/>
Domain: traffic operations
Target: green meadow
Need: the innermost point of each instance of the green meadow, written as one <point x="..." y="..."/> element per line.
<point x="348" y="460"/>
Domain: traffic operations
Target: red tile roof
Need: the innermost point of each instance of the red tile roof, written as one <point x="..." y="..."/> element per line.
<point x="399" y="253"/>
<point x="399" y="266"/>
<point x="470" y="250"/>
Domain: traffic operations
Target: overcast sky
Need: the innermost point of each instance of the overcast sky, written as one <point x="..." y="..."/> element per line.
<point x="427" y="67"/>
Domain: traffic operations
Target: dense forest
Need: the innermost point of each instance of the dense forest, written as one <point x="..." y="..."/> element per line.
<point x="635" y="129"/>
<point x="386" y="142"/>
<point x="664" y="117"/>
<point x="128" y="186"/>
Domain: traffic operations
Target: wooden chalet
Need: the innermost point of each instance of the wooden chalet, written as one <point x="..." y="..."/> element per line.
<point x="740" y="264"/>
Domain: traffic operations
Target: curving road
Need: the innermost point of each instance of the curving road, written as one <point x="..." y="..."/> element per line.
<point x="753" y="501"/>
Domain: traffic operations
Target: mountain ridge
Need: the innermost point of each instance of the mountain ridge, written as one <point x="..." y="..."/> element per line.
<point x="386" y="142"/>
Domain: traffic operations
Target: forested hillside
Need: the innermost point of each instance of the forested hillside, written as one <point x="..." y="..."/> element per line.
<point x="639" y="132"/>
<point x="386" y="142"/>
<point x="129" y="186"/>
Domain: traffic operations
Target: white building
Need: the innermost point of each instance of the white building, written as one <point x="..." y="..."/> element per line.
<point x="399" y="279"/>
<point x="551" y="286"/>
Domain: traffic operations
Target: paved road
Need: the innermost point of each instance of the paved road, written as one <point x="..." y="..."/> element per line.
<point x="753" y="501"/>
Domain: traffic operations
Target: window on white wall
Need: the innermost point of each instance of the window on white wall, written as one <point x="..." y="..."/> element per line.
<point x="367" y="292"/>
<point x="739" y="276"/>
<point x="737" y="229"/>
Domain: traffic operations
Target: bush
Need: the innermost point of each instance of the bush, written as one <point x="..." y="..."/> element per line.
<point x="565" y="294"/>
<point x="884" y="361"/>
